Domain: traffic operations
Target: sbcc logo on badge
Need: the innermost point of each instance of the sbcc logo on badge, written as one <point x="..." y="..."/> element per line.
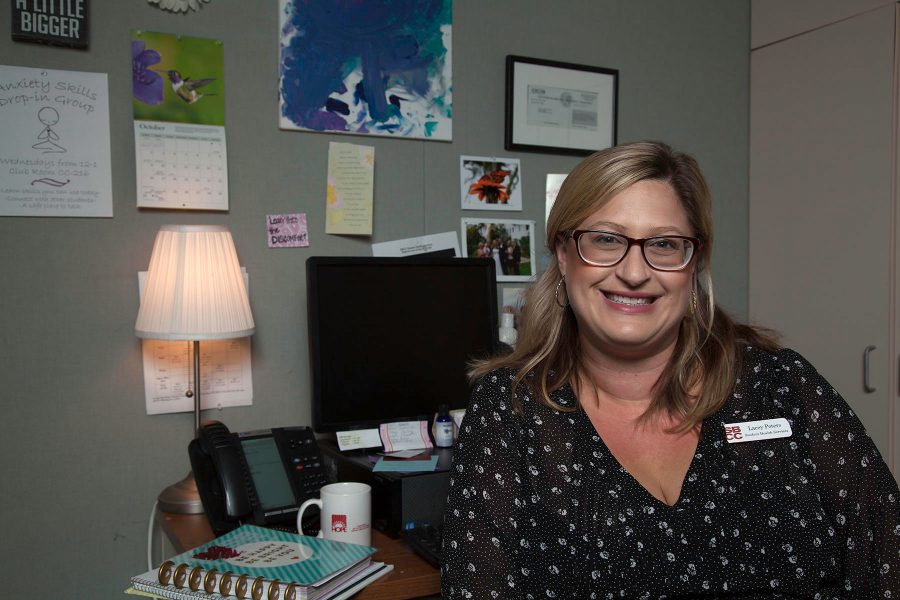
<point x="733" y="433"/>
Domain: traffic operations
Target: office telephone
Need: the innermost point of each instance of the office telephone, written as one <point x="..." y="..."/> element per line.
<point x="258" y="477"/>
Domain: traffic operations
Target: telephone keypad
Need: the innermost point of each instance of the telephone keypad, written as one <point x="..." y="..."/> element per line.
<point x="301" y="450"/>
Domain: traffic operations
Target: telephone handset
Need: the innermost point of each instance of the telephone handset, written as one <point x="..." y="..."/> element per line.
<point x="258" y="477"/>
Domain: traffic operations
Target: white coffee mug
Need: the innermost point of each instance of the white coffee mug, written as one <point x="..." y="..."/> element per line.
<point x="346" y="513"/>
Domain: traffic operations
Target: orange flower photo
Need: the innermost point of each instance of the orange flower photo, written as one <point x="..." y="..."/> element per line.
<point x="490" y="183"/>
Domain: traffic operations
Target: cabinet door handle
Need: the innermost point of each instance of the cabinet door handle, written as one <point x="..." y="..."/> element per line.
<point x="866" y="386"/>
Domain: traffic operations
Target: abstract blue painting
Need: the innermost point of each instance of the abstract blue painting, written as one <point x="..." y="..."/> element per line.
<point x="375" y="67"/>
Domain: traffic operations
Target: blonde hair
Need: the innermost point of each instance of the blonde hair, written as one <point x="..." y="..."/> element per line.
<point x="706" y="355"/>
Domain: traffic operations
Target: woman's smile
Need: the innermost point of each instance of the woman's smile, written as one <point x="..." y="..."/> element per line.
<point x="630" y="302"/>
<point x="630" y="306"/>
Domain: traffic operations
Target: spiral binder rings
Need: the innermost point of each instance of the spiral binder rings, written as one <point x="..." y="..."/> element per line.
<point x="254" y="563"/>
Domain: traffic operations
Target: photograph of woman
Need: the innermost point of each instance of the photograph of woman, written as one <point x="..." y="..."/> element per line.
<point x="640" y="443"/>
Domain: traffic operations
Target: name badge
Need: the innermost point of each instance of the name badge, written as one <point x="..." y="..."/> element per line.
<point x="752" y="431"/>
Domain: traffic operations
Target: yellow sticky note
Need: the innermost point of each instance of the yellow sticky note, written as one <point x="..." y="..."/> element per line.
<point x="351" y="176"/>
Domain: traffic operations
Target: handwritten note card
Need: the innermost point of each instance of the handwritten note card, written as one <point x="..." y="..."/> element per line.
<point x="358" y="438"/>
<point x="287" y="231"/>
<point x="351" y="176"/>
<point x="405" y="435"/>
<point x="54" y="145"/>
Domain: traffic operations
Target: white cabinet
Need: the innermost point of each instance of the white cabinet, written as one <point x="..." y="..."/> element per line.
<point x="823" y="216"/>
<point x="776" y="20"/>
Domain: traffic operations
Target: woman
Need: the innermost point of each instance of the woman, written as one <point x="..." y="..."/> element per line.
<point x="638" y="443"/>
<point x="495" y="253"/>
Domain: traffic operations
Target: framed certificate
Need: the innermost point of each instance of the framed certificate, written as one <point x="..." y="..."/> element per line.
<point x="559" y="107"/>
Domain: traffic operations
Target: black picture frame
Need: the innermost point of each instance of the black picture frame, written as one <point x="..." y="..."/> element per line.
<point x="558" y="107"/>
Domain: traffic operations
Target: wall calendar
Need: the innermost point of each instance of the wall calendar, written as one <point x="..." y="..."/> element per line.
<point x="181" y="166"/>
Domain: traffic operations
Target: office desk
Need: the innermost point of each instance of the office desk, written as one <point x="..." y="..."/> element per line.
<point x="412" y="577"/>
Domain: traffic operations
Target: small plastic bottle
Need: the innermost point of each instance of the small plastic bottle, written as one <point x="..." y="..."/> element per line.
<point x="443" y="428"/>
<point x="507" y="333"/>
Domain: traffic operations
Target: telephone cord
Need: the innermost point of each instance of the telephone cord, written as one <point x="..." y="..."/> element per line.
<point x="150" y="536"/>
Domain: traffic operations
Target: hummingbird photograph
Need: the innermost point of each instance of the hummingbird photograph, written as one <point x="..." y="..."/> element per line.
<point x="177" y="78"/>
<point x="186" y="88"/>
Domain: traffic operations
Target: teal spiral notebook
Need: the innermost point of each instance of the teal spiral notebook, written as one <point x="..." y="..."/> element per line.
<point x="265" y="554"/>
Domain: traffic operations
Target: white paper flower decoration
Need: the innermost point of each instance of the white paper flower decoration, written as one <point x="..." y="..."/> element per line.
<point x="178" y="5"/>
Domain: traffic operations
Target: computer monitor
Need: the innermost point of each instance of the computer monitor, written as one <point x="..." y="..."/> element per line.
<point x="390" y="338"/>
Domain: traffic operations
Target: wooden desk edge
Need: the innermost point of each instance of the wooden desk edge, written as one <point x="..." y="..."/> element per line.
<point x="412" y="577"/>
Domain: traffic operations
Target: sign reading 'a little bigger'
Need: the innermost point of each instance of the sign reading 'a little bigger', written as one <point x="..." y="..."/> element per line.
<point x="57" y="22"/>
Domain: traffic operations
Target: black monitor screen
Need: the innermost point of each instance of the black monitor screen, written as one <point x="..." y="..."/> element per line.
<point x="390" y="338"/>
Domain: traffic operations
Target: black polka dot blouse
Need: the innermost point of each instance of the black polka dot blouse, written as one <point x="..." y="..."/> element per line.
<point x="539" y="508"/>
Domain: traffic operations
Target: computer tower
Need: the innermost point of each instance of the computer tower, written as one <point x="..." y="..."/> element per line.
<point x="399" y="500"/>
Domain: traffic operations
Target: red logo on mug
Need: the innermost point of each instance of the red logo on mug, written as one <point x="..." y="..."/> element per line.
<point x="339" y="523"/>
<point x="733" y="433"/>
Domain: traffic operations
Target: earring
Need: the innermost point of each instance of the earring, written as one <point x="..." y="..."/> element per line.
<point x="562" y="281"/>
<point x="692" y="307"/>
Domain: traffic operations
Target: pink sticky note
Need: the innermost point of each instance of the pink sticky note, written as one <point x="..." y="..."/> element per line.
<point x="286" y="231"/>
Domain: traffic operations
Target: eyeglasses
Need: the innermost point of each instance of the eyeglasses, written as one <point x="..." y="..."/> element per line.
<point x="607" y="249"/>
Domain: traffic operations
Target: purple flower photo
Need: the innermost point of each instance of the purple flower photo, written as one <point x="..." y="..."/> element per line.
<point x="147" y="84"/>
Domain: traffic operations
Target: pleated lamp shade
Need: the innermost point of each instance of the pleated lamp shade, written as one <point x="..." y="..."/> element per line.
<point x="194" y="288"/>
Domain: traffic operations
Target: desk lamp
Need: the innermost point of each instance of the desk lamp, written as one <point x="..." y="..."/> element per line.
<point x="194" y="291"/>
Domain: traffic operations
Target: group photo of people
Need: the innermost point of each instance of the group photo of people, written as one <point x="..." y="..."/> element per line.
<point x="507" y="243"/>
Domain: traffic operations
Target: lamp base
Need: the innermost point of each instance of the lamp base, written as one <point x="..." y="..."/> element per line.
<point x="181" y="498"/>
